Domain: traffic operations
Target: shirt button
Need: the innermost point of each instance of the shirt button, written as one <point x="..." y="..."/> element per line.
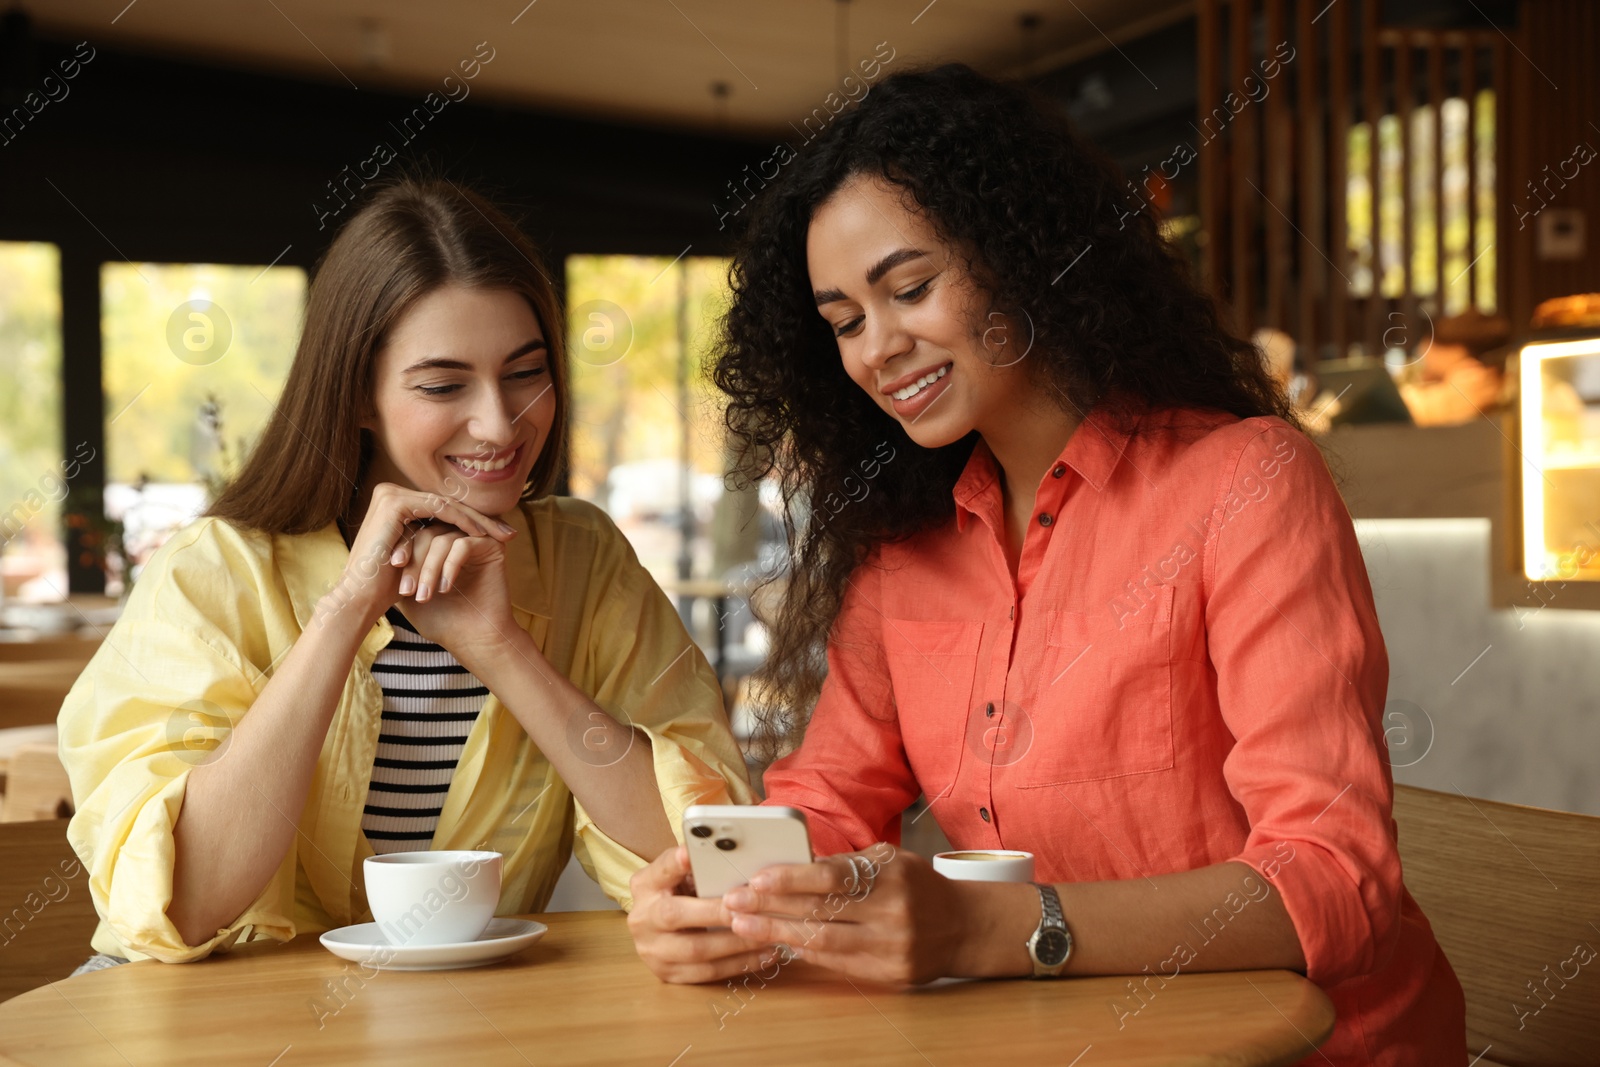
<point x="984" y="812"/>
<point x="988" y="710"/>
<point x="1045" y="519"/>
<point x="1058" y="472"/>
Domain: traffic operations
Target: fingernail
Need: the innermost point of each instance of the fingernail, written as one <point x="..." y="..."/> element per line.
<point x="761" y="882"/>
<point x="397" y="558"/>
<point x="444" y="585"/>
<point x="422" y="592"/>
<point x="740" y="898"/>
<point x="407" y="584"/>
<point x="507" y="529"/>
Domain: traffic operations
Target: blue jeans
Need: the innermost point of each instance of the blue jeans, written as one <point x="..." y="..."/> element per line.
<point x="98" y="962"/>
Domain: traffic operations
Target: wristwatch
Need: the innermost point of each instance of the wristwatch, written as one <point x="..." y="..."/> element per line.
<point x="1051" y="944"/>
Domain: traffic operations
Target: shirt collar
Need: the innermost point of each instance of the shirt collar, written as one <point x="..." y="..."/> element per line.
<point x="314" y="565"/>
<point x="1093" y="451"/>
<point x="524" y="574"/>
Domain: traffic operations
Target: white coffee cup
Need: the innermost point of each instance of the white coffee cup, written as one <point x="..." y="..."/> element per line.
<point x="433" y="898"/>
<point x="985" y="865"/>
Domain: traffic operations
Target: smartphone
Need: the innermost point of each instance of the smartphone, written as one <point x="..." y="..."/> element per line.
<point x="730" y="842"/>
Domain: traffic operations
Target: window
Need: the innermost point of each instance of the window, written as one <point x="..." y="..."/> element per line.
<point x="34" y="475"/>
<point x="634" y="420"/>
<point x="1434" y="144"/>
<point x="195" y="356"/>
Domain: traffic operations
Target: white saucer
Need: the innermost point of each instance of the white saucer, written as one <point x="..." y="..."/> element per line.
<point x="365" y="944"/>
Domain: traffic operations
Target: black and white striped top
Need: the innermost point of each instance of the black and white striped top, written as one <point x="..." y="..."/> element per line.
<point x="429" y="704"/>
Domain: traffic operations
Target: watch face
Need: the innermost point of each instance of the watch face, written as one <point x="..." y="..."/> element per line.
<point x="1051" y="947"/>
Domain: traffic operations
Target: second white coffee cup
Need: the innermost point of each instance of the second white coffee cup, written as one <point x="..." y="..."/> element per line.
<point x="985" y="865"/>
<point x="433" y="898"/>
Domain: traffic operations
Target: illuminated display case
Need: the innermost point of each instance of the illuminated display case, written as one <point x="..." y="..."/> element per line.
<point x="1560" y="419"/>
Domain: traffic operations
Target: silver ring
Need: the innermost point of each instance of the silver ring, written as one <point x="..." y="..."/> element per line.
<point x="861" y="870"/>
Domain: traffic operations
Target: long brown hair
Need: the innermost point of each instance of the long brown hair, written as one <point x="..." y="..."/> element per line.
<point x="410" y="239"/>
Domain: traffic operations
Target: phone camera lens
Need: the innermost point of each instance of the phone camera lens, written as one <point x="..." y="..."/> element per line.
<point x="700" y="831"/>
<point x="727" y="844"/>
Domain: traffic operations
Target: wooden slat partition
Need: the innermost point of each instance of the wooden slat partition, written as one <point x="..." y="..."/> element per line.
<point x="1436" y="102"/>
<point x="1504" y="141"/>
<point x="1401" y="107"/>
<point x="1277" y="159"/>
<point x="1273" y="180"/>
<point x="1242" y="175"/>
<point x="1313" y="186"/>
<point x="1469" y="89"/>
<point x="1334" y="185"/>
<point x="1551" y="74"/>
<point x="1373" y="109"/>
<point x="1208" y="34"/>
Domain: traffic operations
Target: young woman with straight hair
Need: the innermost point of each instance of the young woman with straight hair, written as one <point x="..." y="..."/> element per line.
<point x="1061" y="561"/>
<point x="387" y="634"/>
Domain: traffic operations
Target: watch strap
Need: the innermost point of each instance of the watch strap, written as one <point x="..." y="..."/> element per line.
<point x="1050" y="905"/>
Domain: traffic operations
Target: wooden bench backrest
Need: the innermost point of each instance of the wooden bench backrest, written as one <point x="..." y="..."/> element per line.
<point x="1513" y="895"/>
<point x="46" y="915"/>
<point x="37" y="786"/>
<point x="76" y="649"/>
<point x="31" y="691"/>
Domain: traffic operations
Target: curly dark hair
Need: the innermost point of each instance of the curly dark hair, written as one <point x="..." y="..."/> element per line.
<point x="1015" y="193"/>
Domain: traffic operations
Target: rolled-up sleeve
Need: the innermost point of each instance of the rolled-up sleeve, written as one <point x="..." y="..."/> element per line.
<point x="645" y="671"/>
<point x="850" y="775"/>
<point x="1301" y="678"/>
<point x="160" y="695"/>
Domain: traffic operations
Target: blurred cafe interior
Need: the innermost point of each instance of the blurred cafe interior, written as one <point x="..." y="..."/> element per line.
<point x="1391" y="197"/>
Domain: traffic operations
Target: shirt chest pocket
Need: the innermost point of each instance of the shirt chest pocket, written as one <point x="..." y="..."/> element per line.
<point x="1106" y="708"/>
<point x="932" y="665"/>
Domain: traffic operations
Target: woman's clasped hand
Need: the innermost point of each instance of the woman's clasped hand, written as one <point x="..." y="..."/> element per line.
<point x="414" y="547"/>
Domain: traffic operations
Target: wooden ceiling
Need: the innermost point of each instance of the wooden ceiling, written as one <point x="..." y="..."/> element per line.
<point x="651" y="61"/>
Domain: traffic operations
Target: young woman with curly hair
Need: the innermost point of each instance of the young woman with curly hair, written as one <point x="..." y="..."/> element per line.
<point x="1079" y="579"/>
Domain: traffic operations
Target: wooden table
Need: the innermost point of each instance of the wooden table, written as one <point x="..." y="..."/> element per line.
<point x="581" y="995"/>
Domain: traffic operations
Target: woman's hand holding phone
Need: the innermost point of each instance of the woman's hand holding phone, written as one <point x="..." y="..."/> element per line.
<point x="882" y="914"/>
<point x="676" y="933"/>
<point x="679" y="922"/>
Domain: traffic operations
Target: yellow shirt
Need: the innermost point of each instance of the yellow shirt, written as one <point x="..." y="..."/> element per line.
<point x="218" y="607"/>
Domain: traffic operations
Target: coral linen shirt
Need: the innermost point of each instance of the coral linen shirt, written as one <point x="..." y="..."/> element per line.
<point x="1187" y="669"/>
